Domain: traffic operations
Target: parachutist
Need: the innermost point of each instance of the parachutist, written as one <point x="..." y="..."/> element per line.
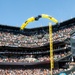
<point x="36" y="18"/>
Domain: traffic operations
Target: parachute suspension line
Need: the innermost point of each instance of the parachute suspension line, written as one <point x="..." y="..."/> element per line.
<point x="51" y="48"/>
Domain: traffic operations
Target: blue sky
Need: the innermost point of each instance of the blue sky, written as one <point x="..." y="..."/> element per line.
<point x="15" y="12"/>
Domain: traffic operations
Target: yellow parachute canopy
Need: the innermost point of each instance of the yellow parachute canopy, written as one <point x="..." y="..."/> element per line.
<point x="37" y="18"/>
<point x="49" y="17"/>
<point x="26" y="22"/>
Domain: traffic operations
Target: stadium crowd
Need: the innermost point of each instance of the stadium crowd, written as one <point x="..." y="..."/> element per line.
<point x="26" y="72"/>
<point x="37" y="71"/>
<point x="31" y="58"/>
<point x="19" y="40"/>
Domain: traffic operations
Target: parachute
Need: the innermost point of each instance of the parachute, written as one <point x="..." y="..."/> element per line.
<point x="32" y="19"/>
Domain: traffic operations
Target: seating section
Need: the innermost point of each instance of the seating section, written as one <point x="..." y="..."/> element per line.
<point x="35" y="39"/>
